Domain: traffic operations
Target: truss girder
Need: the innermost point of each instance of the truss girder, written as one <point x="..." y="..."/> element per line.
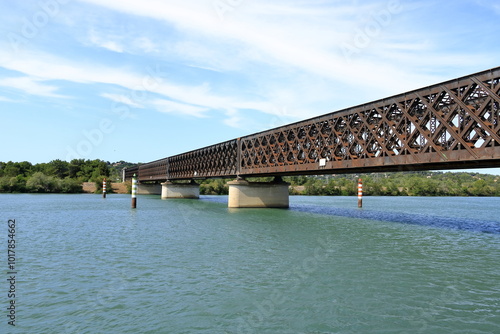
<point x="454" y="124"/>
<point x="218" y="160"/>
<point x="443" y="126"/>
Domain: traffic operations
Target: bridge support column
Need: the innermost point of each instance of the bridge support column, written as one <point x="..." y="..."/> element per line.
<point x="244" y="194"/>
<point x="148" y="189"/>
<point x="180" y="190"/>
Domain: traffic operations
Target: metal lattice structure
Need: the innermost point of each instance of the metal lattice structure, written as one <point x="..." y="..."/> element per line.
<point x="153" y="171"/>
<point x="218" y="160"/>
<point x="450" y="125"/>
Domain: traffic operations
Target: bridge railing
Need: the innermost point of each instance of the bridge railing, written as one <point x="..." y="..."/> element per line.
<point x="454" y="124"/>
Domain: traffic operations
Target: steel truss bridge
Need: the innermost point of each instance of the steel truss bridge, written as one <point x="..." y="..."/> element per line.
<point x="451" y="125"/>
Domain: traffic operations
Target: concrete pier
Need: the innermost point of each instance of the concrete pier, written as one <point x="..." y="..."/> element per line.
<point x="180" y="190"/>
<point x="244" y="194"/>
<point x="148" y="189"/>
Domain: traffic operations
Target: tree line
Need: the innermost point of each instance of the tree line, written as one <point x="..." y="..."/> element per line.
<point x="406" y="184"/>
<point x="56" y="176"/>
<point x="382" y="184"/>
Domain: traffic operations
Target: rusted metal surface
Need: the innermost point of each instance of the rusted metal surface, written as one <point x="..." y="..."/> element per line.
<point x="153" y="171"/>
<point x="129" y="172"/>
<point x="219" y="160"/>
<point x="450" y="125"/>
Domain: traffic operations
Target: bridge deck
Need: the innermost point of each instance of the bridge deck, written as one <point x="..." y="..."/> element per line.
<point x="451" y="125"/>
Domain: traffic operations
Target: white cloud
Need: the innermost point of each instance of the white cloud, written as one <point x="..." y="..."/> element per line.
<point x="267" y="48"/>
<point x="117" y="42"/>
<point x="145" y="44"/>
<point x="270" y="44"/>
<point x="179" y="108"/>
<point x="113" y="46"/>
<point x="105" y="42"/>
<point x="49" y="67"/>
<point x="234" y="119"/>
<point x="31" y="86"/>
<point x="4" y="99"/>
<point x="120" y="98"/>
<point x="281" y="33"/>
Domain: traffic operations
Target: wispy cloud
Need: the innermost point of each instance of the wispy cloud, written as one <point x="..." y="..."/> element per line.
<point x="294" y="40"/>
<point x="492" y="5"/>
<point x="234" y="119"/>
<point x="180" y="108"/>
<point x="105" y="42"/>
<point x="145" y="44"/>
<point x="31" y="86"/>
<point x="120" y="98"/>
<point x="279" y="33"/>
<point x="50" y="67"/>
<point x="4" y="99"/>
<point x="133" y="43"/>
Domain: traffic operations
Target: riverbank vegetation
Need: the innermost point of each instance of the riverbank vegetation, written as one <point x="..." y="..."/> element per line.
<point x="56" y="176"/>
<point x="382" y="184"/>
<point x="401" y="184"/>
<point x="67" y="177"/>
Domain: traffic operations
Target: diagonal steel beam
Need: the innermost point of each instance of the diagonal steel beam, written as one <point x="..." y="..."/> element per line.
<point x="453" y="131"/>
<point x="473" y="115"/>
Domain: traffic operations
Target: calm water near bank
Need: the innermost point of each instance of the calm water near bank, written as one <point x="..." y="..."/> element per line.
<point x="399" y="265"/>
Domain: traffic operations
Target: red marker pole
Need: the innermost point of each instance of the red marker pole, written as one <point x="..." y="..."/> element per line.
<point x="360" y="193"/>
<point x="104" y="188"/>
<point x="134" y="192"/>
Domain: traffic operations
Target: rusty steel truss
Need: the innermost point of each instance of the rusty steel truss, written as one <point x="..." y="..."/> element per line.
<point x="450" y="125"/>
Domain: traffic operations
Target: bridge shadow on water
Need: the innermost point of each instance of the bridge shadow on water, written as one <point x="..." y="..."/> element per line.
<point x="405" y="218"/>
<point x="455" y="223"/>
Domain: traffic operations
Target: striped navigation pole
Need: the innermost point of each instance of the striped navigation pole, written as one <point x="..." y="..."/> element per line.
<point x="360" y="193"/>
<point x="134" y="192"/>
<point x="104" y="188"/>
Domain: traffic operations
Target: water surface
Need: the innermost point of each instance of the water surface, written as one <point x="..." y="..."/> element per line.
<point x="399" y="265"/>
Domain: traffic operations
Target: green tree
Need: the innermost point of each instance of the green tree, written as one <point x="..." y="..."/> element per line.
<point x="74" y="168"/>
<point x="17" y="184"/>
<point x="313" y="187"/>
<point x="71" y="186"/>
<point x="481" y="188"/>
<point x="5" y="184"/>
<point x="58" y="168"/>
<point x="12" y="169"/>
<point x="41" y="183"/>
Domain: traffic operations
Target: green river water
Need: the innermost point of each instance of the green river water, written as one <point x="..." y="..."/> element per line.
<point x="84" y="264"/>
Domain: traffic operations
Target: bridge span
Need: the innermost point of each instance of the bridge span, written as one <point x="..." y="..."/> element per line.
<point x="450" y="125"/>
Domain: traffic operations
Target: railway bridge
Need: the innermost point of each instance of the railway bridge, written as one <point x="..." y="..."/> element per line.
<point x="450" y="125"/>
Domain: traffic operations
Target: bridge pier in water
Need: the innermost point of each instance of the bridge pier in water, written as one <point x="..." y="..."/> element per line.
<point x="244" y="194"/>
<point x="148" y="189"/>
<point x="180" y="190"/>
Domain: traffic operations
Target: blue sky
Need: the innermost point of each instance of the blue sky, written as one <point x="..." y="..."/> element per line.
<point x="141" y="80"/>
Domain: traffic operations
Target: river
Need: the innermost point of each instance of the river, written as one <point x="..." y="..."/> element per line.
<point x="84" y="264"/>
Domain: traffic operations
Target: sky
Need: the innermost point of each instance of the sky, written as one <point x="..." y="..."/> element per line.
<point x="142" y="80"/>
